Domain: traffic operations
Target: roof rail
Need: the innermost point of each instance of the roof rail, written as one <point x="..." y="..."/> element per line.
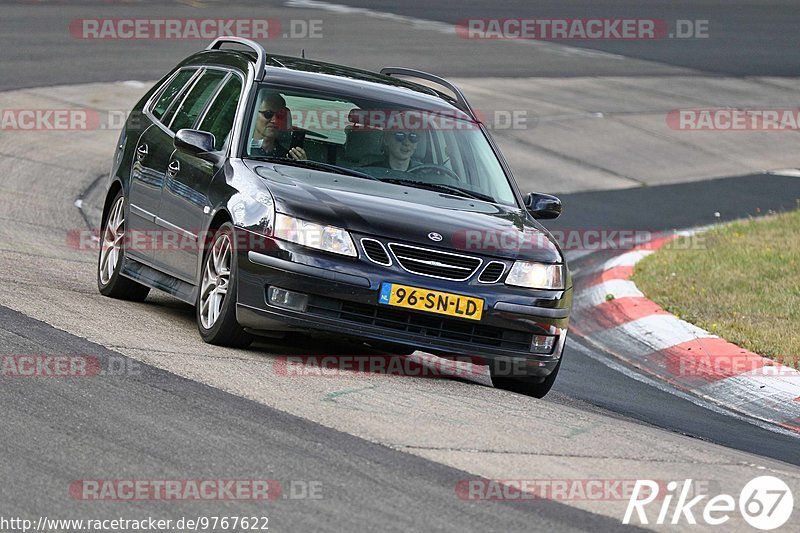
<point x="261" y="54"/>
<point x="461" y="100"/>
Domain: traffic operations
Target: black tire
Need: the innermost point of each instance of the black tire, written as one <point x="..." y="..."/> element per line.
<point x="529" y="386"/>
<point x="224" y="330"/>
<point x="114" y="285"/>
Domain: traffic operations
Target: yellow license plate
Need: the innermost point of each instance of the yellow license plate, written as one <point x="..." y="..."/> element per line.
<point x="443" y="303"/>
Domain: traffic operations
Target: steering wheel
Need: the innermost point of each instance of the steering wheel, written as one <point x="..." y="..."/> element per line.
<point x="438" y="169"/>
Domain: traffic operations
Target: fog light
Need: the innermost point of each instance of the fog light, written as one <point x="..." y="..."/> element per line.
<point x="543" y="344"/>
<point x="287" y="299"/>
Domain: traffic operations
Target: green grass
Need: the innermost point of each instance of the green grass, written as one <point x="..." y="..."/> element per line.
<point x="740" y="281"/>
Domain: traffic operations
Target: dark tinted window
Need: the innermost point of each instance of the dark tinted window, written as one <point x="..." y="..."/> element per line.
<point x="196" y="99"/>
<point x="172" y="89"/>
<point x="221" y="113"/>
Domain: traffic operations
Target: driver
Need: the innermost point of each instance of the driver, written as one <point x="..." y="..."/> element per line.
<point x="273" y="117"/>
<point x="398" y="148"/>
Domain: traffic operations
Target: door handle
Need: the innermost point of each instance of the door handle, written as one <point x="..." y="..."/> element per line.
<point x="173" y="167"/>
<point x="141" y="151"/>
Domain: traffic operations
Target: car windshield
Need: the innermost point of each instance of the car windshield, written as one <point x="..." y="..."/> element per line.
<point x="409" y="147"/>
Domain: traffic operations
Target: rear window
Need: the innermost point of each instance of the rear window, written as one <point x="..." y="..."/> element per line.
<point x="194" y="102"/>
<point x="222" y="112"/>
<point x="170" y="91"/>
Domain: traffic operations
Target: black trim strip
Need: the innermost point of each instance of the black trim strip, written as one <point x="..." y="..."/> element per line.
<point x="274" y="262"/>
<point x="544" y="312"/>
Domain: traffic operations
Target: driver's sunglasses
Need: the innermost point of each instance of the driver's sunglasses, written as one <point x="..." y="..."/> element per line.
<point x="269" y="113"/>
<point x="401" y="137"/>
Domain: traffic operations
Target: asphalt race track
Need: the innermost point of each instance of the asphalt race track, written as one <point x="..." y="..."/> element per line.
<point x="381" y="452"/>
<point x="756" y="38"/>
<point x="110" y="420"/>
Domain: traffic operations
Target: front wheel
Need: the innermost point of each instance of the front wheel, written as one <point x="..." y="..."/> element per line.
<point x="529" y="386"/>
<point x="216" y="300"/>
<point x="112" y="251"/>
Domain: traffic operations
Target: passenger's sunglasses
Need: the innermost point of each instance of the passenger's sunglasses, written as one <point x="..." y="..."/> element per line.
<point x="269" y="113"/>
<point x="401" y="137"/>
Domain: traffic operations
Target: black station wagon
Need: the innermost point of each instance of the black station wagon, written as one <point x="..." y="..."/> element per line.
<point x="281" y="194"/>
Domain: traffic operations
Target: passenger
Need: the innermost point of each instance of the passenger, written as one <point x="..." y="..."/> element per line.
<point x="273" y="117"/>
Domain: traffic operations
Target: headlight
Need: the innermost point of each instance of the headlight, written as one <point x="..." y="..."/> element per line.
<point x="536" y="275"/>
<point x="327" y="238"/>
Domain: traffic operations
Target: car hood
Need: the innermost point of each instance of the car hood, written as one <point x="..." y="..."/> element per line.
<point x="406" y="214"/>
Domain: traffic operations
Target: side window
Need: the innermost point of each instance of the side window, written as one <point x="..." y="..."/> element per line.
<point x="222" y="112"/>
<point x="170" y="91"/>
<point x="195" y="100"/>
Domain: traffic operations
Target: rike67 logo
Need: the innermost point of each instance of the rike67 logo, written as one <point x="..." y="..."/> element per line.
<point x="765" y="503"/>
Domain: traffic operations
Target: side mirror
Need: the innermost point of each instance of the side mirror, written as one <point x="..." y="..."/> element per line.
<point x="194" y="142"/>
<point x="542" y="205"/>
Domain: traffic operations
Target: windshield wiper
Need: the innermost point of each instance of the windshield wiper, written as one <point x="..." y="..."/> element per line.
<point x="337" y="168"/>
<point x="441" y="187"/>
<point x="316" y="165"/>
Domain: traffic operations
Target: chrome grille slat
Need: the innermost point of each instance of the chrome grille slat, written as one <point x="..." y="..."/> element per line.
<point x="435" y="263"/>
<point x="431" y="263"/>
<point x="492" y="272"/>
<point x="376" y="252"/>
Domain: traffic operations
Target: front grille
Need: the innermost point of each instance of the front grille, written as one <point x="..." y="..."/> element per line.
<point x="428" y="326"/>
<point x="435" y="263"/>
<point x="492" y="272"/>
<point x="375" y="252"/>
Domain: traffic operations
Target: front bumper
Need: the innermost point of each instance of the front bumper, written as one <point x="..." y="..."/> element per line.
<point x="343" y="299"/>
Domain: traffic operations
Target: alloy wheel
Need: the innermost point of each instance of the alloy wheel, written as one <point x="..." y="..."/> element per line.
<point x="216" y="278"/>
<point x="113" y="236"/>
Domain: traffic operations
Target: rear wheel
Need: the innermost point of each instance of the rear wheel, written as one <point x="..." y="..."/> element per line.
<point x="529" y="386"/>
<point x="112" y="252"/>
<point x="216" y="300"/>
